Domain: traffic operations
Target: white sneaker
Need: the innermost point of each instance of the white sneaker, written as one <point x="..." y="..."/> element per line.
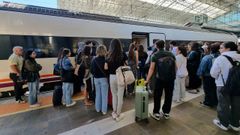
<point x="35" y="105"/>
<point x="72" y="104"/>
<point x="237" y="129"/>
<point x="119" y="118"/>
<point x="217" y="123"/>
<point x="177" y="101"/>
<point x="114" y="115"/>
<point x="104" y="113"/>
<point x="165" y="115"/>
<point x="156" y="116"/>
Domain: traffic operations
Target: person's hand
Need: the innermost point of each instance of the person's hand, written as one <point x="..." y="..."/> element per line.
<point x="145" y="82"/>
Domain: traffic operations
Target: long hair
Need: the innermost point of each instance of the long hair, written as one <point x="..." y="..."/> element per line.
<point x="65" y="52"/>
<point x="87" y="51"/>
<point x="115" y="50"/>
<point x="60" y="53"/>
<point x="183" y="50"/>
<point x="131" y="52"/>
<point x="141" y="51"/>
<point x="28" y="55"/>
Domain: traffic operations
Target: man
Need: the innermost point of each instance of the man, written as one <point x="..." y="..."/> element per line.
<point x="209" y="85"/>
<point x="164" y="79"/>
<point x="16" y="64"/>
<point x="228" y="104"/>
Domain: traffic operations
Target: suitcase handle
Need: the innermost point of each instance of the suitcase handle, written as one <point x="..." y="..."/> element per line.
<point x="143" y="105"/>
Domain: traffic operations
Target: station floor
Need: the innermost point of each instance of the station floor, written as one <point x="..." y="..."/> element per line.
<point x="188" y="118"/>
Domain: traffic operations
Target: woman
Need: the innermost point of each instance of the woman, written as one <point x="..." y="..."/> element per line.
<point x="32" y="68"/>
<point x="133" y="63"/>
<point x="100" y="79"/>
<point x="181" y="60"/>
<point x="193" y="62"/>
<point x="142" y="57"/>
<point x="86" y="59"/>
<point x="67" y="78"/>
<point x="116" y="58"/>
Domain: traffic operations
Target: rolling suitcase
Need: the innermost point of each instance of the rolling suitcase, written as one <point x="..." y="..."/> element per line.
<point x="141" y="102"/>
<point x="57" y="96"/>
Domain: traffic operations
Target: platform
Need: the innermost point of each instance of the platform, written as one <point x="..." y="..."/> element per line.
<point x="188" y="118"/>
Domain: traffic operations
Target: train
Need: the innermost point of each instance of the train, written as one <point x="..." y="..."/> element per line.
<point x="47" y="30"/>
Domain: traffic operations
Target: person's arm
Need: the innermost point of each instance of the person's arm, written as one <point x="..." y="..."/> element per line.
<point x="105" y="66"/>
<point x="216" y="69"/>
<point x="13" y="65"/>
<point x="202" y="67"/>
<point x="150" y="72"/>
<point x="137" y="58"/>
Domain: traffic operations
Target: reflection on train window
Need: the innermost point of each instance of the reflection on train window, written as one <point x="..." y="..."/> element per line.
<point x="48" y="46"/>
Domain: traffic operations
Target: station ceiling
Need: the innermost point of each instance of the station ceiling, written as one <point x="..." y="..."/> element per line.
<point x="224" y="14"/>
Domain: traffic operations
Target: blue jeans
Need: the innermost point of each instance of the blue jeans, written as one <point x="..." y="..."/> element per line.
<point x="33" y="88"/>
<point x="101" y="85"/>
<point x="67" y="92"/>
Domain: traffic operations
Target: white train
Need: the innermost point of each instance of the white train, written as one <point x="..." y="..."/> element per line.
<point x="47" y="30"/>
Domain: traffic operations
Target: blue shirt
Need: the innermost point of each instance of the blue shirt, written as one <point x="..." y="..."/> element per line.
<point x="65" y="63"/>
<point x="206" y="64"/>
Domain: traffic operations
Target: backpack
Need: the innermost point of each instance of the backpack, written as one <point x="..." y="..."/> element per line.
<point x="166" y="68"/>
<point x="232" y="85"/>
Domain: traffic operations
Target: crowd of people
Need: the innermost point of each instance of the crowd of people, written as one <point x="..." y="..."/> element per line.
<point x="188" y="66"/>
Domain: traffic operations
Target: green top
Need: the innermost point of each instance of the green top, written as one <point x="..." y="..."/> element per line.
<point x="161" y="53"/>
<point x="16" y="60"/>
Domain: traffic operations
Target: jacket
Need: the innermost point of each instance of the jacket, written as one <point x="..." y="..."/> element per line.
<point x="31" y="69"/>
<point x="221" y="66"/>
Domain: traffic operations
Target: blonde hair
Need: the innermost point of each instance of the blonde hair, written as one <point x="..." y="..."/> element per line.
<point x="101" y="50"/>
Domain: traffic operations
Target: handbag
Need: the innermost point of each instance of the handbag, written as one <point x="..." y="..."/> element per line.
<point x="124" y="76"/>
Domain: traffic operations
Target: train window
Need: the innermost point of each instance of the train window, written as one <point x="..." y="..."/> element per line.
<point x="47" y="47"/>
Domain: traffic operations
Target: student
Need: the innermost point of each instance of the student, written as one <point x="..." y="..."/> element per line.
<point x="164" y="79"/>
<point x="116" y="58"/>
<point x="228" y="105"/>
<point x="16" y="64"/>
<point x="209" y="85"/>
<point x="133" y="63"/>
<point x="100" y="79"/>
<point x="32" y="68"/>
<point x="86" y="59"/>
<point x="67" y="78"/>
<point x="193" y="61"/>
<point x="181" y="60"/>
<point x="142" y="57"/>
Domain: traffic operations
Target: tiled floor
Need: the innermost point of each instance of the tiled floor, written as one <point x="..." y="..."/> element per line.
<point x="11" y="107"/>
<point x="186" y="119"/>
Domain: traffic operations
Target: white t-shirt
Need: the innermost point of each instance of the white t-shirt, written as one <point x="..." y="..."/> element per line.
<point x="181" y="66"/>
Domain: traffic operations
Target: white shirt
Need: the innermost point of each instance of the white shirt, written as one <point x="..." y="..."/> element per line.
<point x="222" y="65"/>
<point x="181" y="66"/>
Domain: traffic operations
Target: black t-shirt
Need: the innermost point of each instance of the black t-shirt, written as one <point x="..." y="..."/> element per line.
<point x="97" y="67"/>
<point x="112" y="66"/>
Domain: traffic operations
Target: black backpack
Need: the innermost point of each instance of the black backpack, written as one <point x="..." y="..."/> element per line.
<point x="166" y="68"/>
<point x="232" y="85"/>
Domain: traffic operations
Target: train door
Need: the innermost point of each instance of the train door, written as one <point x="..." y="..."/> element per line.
<point x="153" y="37"/>
<point x="147" y="39"/>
